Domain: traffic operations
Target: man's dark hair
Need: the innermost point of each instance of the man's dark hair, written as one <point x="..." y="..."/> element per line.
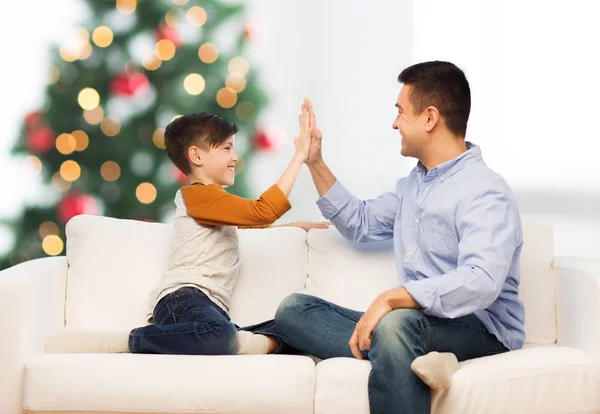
<point x="443" y="85"/>
<point x="204" y="130"/>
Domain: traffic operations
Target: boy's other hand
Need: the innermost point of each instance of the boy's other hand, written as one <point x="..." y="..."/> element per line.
<point x="307" y="225"/>
<point x="302" y="143"/>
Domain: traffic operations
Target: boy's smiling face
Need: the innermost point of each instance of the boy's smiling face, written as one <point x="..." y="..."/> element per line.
<point x="218" y="164"/>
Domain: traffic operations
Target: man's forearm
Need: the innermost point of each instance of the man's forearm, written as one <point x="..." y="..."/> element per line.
<point x="399" y="298"/>
<point x="322" y="177"/>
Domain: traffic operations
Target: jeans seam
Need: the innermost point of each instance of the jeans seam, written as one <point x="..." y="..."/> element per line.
<point x="216" y="330"/>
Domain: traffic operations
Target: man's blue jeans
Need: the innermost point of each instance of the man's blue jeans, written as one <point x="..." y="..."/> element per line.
<point x="323" y="329"/>
<point x="188" y="322"/>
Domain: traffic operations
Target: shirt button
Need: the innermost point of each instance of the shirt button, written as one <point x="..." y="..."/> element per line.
<point x="417" y="220"/>
<point x="409" y="253"/>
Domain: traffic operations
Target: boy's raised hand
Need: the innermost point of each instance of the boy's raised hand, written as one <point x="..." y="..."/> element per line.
<point x="302" y="142"/>
<point x="314" y="152"/>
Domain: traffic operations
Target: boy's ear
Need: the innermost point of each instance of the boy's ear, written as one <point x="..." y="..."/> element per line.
<point x="195" y="156"/>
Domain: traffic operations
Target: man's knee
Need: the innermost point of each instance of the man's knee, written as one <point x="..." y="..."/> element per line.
<point x="399" y="326"/>
<point x="291" y="307"/>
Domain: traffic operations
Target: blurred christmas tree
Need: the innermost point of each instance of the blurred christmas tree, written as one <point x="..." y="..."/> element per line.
<point x="98" y="140"/>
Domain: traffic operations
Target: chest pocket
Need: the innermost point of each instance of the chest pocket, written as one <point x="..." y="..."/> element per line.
<point x="438" y="236"/>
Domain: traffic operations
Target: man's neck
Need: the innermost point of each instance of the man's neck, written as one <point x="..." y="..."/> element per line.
<point x="440" y="154"/>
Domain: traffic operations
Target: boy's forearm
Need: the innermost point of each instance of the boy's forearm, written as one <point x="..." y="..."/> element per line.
<point x="322" y="176"/>
<point x="289" y="176"/>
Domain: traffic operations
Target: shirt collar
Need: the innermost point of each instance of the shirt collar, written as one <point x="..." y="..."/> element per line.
<point x="448" y="168"/>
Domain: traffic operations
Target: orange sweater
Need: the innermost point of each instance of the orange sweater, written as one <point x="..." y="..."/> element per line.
<point x="211" y="205"/>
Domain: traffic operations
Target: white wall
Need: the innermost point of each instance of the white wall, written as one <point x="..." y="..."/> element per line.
<point x="533" y="71"/>
<point x="531" y="65"/>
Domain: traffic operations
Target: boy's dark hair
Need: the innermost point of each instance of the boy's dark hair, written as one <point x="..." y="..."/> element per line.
<point x="443" y="85"/>
<point x="204" y="130"/>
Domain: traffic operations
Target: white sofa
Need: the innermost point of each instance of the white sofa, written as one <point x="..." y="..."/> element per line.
<point x="111" y="266"/>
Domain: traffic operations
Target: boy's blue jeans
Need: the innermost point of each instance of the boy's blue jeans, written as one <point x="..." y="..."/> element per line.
<point x="188" y="322"/>
<point x="323" y="329"/>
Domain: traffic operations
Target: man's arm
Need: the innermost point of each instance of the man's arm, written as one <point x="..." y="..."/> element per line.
<point x="490" y="237"/>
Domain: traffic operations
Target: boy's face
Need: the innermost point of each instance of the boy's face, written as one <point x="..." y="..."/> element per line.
<point x="218" y="164"/>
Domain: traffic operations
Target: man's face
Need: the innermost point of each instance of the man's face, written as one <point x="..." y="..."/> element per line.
<point x="409" y="124"/>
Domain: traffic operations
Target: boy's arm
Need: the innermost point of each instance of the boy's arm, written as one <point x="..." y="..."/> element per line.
<point x="211" y="205"/>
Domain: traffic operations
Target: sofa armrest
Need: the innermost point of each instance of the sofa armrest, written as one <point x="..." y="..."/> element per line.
<point x="578" y="302"/>
<point x="32" y="305"/>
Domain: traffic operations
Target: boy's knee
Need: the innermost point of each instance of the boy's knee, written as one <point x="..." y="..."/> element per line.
<point x="229" y="339"/>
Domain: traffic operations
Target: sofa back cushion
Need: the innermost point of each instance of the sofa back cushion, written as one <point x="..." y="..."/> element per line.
<point x="114" y="266"/>
<point x="353" y="275"/>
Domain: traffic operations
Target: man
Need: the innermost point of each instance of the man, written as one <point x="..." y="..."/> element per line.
<point x="457" y="241"/>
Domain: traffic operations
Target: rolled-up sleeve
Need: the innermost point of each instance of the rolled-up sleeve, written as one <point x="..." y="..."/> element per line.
<point x="489" y="230"/>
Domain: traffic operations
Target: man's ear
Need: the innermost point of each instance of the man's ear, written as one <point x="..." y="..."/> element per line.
<point x="432" y="117"/>
<point x="195" y="156"/>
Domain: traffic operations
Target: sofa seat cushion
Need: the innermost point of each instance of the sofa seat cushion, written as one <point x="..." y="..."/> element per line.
<point x="126" y="383"/>
<point x="536" y="379"/>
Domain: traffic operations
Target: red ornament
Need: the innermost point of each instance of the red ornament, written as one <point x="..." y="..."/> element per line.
<point x="40" y="140"/>
<point x="129" y="84"/>
<point x="251" y="31"/>
<point x="33" y="119"/>
<point x="266" y="140"/>
<point x="74" y="204"/>
<point x="180" y="177"/>
<point x="168" y="33"/>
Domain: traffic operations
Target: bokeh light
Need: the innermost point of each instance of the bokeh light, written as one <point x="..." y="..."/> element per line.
<point x="238" y="66"/>
<point x="196" y="16"/>
<point x="151" y="62"/>
<point x="54" y="75"/>
<point x="158" y="138"/>
<point x="171" y="18"/>
<point x="86" y="51"/>
<point x="52" y="245"/>
<point x="88" y="98"/>
<point x="94" y="116"/>
<point x="81" y="140"/>
<point x="126" y="7"/>
<point x="110" y="126"/>
<point x="67" y="54"/>
<point x="165" y="49"/>
<point x="226" y="97"/>
<point x="235" y="82"/>
<point x="208" y="53"/>
<point x="180" y="2"/>
<point x="194" y="84"/>
<point x="66" y="144"/>
<point x="146" y="193"/>
<point x="70" y="170"/>
<point x="48" y="228"/>
<point x="245" y="110"/>
<point x="110" y="171"/>
<point x="102" y="36"/>
<point x="59" y="183"/>
<point x="34" y="164"/>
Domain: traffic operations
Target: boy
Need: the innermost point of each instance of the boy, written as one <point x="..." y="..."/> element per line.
<point x="191" y="308"/>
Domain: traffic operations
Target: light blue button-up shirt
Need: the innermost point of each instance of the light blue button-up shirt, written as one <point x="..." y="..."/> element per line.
<point x="457" y="240"/>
